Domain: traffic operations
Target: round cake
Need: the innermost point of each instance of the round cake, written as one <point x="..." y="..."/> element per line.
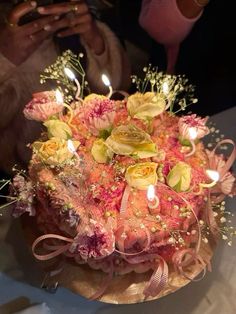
<point x="123" y="186"/>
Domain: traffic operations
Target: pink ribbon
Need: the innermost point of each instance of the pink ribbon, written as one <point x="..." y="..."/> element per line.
<point x="124" y="200"/>
<point x="158" y="280"/>
<point x="230" y="159"/>
<point x="57" y="249"/>
<point x="179" y="260"/>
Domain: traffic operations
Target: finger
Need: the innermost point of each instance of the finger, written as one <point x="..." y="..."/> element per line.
<point x="68" y="22"/>
<point x="34" y="40"/>
<point x="63" y="8"/>
<point x="20" y="11"/>
<point x="78" y="29"/>
<point x="38" y="25"/>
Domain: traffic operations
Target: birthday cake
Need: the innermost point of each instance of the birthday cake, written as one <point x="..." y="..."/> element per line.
<point x="124" y="185"/>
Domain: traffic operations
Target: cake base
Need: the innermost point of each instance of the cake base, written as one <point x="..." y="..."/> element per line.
<point x="125" y="289"/>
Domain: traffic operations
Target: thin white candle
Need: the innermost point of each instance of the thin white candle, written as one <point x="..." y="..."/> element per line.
<point x="165" y="88"/>
<point x="192" y="136"/>
<point x="153" y="200"/>
<point x="107" y="82"/>
<point x="72" y="149"/>
<point x="72" y="77"/>
<point x="60" y="100"/>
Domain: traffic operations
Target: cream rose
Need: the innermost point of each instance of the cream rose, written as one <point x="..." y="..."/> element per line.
<point x="100" y="152"/>
<point x="141" y="175"/>
<point x="54" y="151"/>
<point x="145" y="106"/>
<point x="179" y="177"/>
<point x="59" y="129"/>
<point x="131" y="141"/>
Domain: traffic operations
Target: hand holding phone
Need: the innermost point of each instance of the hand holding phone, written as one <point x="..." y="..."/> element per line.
<point x="17" y="43"/>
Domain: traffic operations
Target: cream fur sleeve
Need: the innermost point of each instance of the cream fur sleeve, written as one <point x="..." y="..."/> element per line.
<point x="113" y="62"/>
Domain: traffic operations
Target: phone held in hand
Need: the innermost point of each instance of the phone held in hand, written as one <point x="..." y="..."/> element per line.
<point x="33" y="15"/>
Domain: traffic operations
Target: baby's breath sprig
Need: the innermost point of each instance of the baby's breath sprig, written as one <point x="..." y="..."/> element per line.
<point x="178" y="90"/>
<point x="56" y="73"/>
<point x="9" y="199"/>
<point x="223" y="216"/>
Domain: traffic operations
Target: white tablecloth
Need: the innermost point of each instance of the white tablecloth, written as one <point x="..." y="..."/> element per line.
<point x="216" y="293"/>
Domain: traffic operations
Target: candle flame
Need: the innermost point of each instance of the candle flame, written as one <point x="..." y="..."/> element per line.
<point x="106" y="80"/>
<point x="151" y="193"/>
<point x="59" y="97"/>
<point x="69" y="73"/>
<point x="192" y="133"/>
<point x="213" y="175"/>
<point x="71" y="146"/>
<point x="165" y="88"/>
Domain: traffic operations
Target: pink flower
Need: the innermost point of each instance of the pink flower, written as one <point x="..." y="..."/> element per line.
<point x="98" y="114"/>
<point x="42" y="106"/>
<point x="217" y="163"/>
<point x="192" y="127"/>
<point x="95" y="241"/>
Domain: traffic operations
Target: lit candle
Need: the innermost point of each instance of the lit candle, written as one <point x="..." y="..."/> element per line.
<point x="72" y="149"/>
<point x="72" y="77"/>
<point x="165" y="88"/>
<point x="60" y="100"/>
<point x="153" y="200"/>
<point x="192" y="136"/>
<point x="214" y="176"/>
<point x="107" y="82"/>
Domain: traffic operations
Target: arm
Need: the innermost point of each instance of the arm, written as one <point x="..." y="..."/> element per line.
<point x="168" y="21"/>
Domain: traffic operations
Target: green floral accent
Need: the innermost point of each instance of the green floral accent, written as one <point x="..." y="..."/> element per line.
<point x="100" y="152"/>
<point x="59" y="129"/>
<point x="179" y="178"/>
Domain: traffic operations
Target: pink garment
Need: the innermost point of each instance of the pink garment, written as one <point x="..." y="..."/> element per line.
<point x="164" y="22"/>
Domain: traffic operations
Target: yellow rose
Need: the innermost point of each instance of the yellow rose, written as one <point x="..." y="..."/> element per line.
<point x="59" y="129"/>
<point x="100" y="152"/>
<point x="54" y="151"/>
<point x="179" y="178"/>
<point x="145" y="106"/>
<point x="141" y="175"/>
<point x="131" y="141"/>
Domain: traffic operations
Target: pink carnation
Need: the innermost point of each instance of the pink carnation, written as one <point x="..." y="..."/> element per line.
<point x="42" y="106"/>
<point x="98" y="114"/>
<point x="186" y="123"/>
<point x="95" y="242"/>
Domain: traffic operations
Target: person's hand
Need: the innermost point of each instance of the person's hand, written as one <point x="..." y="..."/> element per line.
<point x="75" y="19"/>
<point x="17" y="43"/>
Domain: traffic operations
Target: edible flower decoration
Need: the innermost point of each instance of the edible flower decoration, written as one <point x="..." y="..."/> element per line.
<point x="179" y="177"/>
<point x="98" y="114"/>
<point x="192" y="124"/>
<point x="59" y="129"/>
<point x="142" y="175"/>
<point x="145" y="106"/>
<point x="54" y="151"/>
<point x="43" y="106"/>
<point x="100" y="152"/>
<point x="129" y="140"/>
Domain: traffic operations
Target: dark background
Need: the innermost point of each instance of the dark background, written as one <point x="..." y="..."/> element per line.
<point x="207" y="55"/>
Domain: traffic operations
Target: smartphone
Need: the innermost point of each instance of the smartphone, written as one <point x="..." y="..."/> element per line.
<point x="33" y="15"/>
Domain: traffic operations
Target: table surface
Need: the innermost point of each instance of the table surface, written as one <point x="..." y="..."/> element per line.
<point x="216" y="293"/>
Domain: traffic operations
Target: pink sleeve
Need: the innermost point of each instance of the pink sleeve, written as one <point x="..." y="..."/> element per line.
<point x="164" y="22"/>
